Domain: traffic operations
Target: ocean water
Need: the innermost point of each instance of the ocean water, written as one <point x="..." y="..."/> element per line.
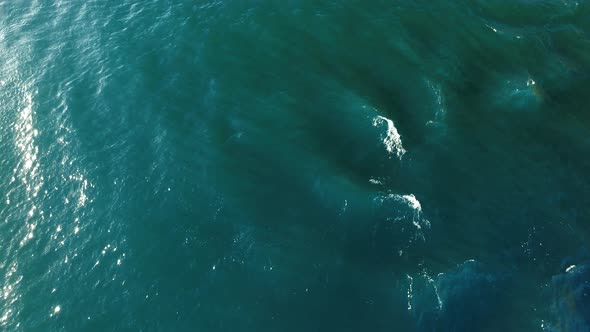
<point x="294" y="165"/>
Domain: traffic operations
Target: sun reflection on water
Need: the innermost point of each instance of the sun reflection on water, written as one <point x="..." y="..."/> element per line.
<point x="8" y="293"/>
<point x="27" y="170"/>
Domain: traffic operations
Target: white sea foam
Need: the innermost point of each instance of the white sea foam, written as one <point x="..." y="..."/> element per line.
<point x="570" y="268"/>
<point x="374" y="181"/>
<point x="414" y="204"/>
<point x="435" y="288"/>
<point x="439" y="104"/>
<point x="392" y="140"/>
<point x="410" y="291"/>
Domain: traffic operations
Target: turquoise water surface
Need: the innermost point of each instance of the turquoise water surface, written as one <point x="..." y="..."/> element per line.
<point x="294" y="165"/>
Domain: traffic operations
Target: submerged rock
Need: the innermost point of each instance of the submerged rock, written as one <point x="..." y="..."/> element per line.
<point x="570" y="308"/>
<point x="463" y="299"/>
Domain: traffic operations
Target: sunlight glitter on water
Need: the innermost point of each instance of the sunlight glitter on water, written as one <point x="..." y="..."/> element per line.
<point x="9" y="294"/>
<point x="27" y="170"/>
<point x="25" y="143"/>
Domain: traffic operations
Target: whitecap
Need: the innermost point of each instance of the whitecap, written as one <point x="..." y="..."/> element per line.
<point x="374" y="181"/>
<point x="414" y="204"/>
<point x="439" y="104"/>
<point x="404" y="225"/>
<point x="392" y="140"/>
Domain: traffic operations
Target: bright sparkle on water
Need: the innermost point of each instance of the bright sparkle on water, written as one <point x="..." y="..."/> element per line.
<point x="9" y="294"/>
<point x="28" y="168"/>
<point x="25" y="143"/>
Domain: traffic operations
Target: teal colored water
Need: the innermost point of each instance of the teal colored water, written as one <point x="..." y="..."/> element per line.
<point x="294" y="165"/>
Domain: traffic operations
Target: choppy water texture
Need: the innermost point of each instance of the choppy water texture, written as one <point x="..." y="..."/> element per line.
<point x="294" y="165"/>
